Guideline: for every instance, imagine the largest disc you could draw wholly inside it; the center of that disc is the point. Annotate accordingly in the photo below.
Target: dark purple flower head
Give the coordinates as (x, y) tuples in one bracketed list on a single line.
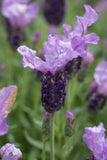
[(10, 152), (18, 12), (7, 99), (54, 11), (95, 139), (53, 91)]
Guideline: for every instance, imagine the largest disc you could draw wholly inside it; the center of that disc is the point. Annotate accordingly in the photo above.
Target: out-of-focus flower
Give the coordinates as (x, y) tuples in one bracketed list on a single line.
[(54, 11), (7, 99), (79, 40), (98, 95), (95, 139), (10, 152), (70, 125), (19, 13)]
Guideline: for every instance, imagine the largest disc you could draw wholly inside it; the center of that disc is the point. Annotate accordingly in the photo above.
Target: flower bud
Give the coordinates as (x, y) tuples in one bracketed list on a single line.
[(70, 125)]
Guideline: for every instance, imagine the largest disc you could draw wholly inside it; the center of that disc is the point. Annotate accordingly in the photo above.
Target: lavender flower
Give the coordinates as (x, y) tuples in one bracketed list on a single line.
[(98, 95), (7, 99), (95, 139), (18, 14), (57, 53), (10, 152), (79, 40)]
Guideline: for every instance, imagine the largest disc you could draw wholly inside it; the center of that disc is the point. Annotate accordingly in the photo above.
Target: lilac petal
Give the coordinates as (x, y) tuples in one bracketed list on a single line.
[(83, 23), (30, 60), (94, 137), (51, 48), (78, 44), (7, 99), (28, 56), (67, 29), (10, 152), (91, 38), (81, 26), (90, 14)]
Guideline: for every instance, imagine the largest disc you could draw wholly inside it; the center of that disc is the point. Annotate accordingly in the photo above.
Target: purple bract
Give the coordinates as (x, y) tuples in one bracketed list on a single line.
[(7, 99), (57, 53)]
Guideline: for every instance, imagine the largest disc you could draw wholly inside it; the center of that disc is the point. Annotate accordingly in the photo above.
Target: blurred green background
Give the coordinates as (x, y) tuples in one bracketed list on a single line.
[(25, 119)]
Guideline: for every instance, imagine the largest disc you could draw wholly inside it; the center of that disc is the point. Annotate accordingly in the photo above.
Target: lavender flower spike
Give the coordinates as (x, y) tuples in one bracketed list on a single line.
[(95, 139), (7, 99), (19, 13), (10, 152), (100, 76)]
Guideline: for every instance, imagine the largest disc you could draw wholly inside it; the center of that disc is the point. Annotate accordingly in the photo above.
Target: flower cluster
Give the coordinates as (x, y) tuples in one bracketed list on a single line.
[(95, 139)]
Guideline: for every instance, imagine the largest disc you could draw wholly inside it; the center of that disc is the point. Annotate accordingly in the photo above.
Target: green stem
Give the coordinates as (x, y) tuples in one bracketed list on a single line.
[(64, 149), (43, 151), (69, 94), (52, 157)]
